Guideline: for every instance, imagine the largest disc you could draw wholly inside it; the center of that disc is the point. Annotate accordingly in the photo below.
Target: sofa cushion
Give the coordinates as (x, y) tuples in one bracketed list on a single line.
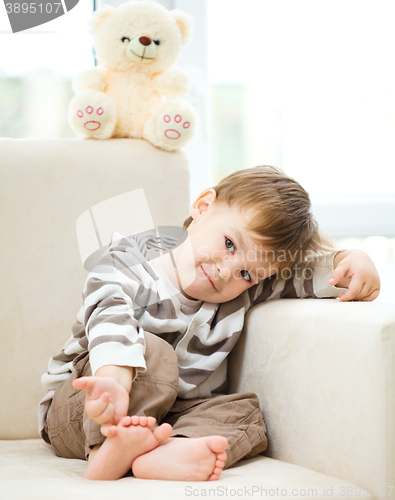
[(30, 470)]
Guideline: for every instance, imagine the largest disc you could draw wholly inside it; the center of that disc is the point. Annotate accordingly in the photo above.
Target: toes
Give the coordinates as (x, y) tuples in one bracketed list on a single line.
[(151, 421), (140, 420), (222, 456), (143, 421), (163, 432), (125, 421), (217, 444), (135, 420), (215, 474), (220, 464), (109, 430)]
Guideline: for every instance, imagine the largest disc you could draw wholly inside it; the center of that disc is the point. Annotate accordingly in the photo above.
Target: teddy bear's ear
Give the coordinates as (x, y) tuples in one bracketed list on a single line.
[(185, 23), (99, 17)]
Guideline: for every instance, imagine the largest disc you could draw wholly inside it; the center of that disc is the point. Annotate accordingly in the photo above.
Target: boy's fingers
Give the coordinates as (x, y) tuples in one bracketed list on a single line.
[(338, 274), (365, 290), (373, 295), (345, 297), (84, 383), (354, 289), (96, 408), (334, 279), (100, 409), (79, 383)]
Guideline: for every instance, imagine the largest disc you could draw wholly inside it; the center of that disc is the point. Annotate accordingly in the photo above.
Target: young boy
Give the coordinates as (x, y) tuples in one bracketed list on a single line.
[(152, 338)]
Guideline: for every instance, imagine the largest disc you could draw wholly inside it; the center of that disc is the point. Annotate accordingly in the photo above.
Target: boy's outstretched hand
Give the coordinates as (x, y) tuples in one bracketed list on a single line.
[(354, 269), (106, 401)]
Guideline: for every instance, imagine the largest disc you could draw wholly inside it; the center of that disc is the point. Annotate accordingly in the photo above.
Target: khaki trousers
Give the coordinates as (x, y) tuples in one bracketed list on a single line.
[(72, 433)]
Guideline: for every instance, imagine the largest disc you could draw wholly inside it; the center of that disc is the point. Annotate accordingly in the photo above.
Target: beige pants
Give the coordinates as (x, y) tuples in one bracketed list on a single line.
[(72, 434)]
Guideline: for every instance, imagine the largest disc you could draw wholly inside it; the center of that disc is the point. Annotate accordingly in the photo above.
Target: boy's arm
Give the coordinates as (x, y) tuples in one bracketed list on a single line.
[(354, 269), (348, 274), (115, 338), (115, 341), (124, 375)]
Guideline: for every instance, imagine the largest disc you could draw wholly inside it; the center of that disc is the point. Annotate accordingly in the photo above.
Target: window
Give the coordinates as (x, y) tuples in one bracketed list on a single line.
[(36, 69), (308, 86)]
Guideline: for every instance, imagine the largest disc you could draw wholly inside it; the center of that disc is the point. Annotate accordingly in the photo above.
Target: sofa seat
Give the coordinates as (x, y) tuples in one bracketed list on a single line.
[(29, 470)]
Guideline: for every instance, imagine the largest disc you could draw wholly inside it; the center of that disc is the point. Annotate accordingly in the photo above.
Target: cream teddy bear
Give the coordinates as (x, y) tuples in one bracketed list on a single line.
[(136, 45)]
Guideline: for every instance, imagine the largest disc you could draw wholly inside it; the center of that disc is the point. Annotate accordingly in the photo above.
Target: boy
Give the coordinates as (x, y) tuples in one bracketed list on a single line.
[(152, 339)]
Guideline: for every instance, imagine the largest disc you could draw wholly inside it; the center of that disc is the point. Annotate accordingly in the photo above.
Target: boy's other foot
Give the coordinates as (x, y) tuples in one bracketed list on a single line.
[(184, 459), (134, 437)]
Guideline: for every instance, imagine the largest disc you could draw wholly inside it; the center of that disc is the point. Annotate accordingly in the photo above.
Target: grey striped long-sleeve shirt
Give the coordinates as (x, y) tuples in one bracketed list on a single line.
[(123, 297)]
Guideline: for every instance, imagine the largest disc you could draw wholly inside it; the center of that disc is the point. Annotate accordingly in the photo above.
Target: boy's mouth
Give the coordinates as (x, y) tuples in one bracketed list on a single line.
[(208, 277)]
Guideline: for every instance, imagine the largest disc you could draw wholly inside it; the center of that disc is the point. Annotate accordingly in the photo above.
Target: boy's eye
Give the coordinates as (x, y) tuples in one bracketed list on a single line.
[(246, 275), (229, 245)]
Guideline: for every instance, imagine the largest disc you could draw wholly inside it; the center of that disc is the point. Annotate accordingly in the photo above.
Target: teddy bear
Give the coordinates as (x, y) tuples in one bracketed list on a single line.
[(136, 45)]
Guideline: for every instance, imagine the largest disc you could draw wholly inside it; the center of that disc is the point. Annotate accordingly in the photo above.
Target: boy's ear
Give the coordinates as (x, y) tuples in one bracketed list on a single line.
[(202, 203)]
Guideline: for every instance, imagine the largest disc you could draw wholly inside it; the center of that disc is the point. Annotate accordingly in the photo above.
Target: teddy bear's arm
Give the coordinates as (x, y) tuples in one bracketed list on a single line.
[(173, 83), (93, 79)]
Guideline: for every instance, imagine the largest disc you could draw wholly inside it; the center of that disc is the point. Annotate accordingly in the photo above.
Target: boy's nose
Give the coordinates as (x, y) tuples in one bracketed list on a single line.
[(224, 270), (224, 274)]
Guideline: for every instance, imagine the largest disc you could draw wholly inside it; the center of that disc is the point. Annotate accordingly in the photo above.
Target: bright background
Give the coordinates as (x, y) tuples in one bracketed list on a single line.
[(36, 68), (305, 85)]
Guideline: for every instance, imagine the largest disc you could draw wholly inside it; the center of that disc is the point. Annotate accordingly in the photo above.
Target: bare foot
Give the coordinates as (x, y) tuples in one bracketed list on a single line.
[(134, 437), (184, 459)]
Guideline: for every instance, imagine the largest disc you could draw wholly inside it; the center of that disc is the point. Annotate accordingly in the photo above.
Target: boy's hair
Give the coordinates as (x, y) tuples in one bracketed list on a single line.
[(281, 213)]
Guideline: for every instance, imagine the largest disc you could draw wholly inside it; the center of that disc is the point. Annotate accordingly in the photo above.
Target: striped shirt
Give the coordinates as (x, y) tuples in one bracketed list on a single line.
[(124, 296)]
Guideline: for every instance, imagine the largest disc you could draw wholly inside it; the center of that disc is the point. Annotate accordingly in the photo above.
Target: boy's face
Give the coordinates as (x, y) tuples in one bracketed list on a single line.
[(226, 261)]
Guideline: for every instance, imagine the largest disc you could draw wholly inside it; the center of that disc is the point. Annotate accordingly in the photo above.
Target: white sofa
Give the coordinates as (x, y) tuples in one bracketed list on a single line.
[(323, 370)]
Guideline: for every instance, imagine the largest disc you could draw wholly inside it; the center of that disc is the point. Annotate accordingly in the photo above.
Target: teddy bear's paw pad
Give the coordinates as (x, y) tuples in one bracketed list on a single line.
[(173, 126), (91, 118)]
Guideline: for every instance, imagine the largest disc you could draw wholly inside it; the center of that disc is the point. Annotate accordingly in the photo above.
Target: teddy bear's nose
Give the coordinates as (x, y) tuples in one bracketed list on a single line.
[(144, 40)]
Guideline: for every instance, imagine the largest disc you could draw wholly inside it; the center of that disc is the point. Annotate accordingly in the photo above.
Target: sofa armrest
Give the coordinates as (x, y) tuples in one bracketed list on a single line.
[(324, 373)]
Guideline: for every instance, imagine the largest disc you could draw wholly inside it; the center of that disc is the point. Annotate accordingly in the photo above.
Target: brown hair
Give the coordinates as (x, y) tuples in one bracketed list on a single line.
[(281, 210)]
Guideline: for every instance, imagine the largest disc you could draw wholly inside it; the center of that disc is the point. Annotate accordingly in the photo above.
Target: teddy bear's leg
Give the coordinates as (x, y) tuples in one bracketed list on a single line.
[(92, 114), (170, 126)]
